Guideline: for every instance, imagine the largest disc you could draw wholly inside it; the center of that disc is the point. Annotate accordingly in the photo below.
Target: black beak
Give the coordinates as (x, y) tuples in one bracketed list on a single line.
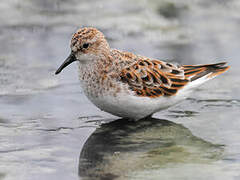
[(71, 58)]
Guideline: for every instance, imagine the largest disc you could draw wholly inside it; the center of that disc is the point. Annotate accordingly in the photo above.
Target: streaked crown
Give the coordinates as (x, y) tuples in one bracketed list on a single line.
[(88, 40)]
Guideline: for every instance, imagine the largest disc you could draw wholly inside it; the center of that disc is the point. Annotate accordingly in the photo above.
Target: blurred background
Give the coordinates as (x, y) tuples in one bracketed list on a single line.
[(46, 121)]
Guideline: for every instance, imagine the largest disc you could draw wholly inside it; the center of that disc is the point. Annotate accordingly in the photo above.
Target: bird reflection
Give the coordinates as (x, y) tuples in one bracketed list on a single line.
[(122, 148)]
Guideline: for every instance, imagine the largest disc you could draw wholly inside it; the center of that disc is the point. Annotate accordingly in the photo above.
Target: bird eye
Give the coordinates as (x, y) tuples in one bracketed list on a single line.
[(85, 45)]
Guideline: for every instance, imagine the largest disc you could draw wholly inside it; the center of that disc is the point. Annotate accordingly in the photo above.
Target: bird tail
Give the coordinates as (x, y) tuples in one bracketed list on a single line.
[(194, 72), (198, 74)]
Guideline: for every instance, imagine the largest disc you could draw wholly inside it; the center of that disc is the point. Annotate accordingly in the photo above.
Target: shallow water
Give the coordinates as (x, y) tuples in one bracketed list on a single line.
[(50, 130)]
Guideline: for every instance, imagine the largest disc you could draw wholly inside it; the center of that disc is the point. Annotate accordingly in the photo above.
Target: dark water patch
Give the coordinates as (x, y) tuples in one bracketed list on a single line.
[(95, 120), (232, 160), (180, 114), (123, 147), (90, 118), (220, 100), (15, 99), (171, 10), (13, 150), (2, 175), (59, 129), (3, 121), (204, 103), (9, 124), (217, 105)]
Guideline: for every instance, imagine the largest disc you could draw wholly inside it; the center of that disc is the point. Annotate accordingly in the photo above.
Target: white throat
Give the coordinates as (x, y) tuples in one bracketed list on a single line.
[(85, 58)]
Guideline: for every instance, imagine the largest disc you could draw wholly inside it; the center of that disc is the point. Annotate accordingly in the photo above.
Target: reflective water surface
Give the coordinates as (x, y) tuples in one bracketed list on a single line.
[(134, 150), (50, 130)]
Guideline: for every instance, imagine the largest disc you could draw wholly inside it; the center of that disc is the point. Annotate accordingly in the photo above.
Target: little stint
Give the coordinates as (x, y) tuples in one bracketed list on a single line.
[(129, 85)]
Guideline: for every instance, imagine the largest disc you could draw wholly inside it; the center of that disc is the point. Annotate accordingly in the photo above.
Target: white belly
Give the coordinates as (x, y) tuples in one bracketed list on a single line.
[(134, 107)]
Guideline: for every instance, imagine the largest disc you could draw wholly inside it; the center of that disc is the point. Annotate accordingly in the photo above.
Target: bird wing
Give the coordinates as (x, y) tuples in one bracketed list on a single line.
[(153, 78)]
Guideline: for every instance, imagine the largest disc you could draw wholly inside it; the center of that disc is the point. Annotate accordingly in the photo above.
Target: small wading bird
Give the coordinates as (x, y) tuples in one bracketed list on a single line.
[(129, 85)]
